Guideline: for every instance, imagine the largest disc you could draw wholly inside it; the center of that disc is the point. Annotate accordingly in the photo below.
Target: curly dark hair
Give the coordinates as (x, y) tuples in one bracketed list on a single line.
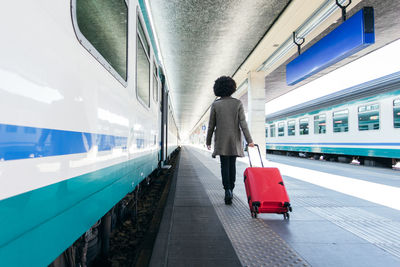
[(224, 86)]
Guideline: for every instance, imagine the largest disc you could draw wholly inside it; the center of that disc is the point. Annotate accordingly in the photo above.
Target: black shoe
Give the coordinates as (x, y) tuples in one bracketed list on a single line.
[(227, 194), (228, 198)]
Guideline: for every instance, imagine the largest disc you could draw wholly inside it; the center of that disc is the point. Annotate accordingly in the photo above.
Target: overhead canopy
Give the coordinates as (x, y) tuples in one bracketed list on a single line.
[(387, 30), (202, 40)]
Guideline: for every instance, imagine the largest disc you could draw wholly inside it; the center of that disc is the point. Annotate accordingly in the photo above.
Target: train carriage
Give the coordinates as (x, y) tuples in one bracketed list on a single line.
[(361, 122), (81, 91)]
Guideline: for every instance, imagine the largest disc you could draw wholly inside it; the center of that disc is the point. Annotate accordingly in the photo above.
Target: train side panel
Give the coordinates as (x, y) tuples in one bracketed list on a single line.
[(382, 142), (74, 139)]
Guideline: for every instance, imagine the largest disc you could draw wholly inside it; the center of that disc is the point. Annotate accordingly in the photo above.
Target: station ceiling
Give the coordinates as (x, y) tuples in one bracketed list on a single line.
[(202, 40)]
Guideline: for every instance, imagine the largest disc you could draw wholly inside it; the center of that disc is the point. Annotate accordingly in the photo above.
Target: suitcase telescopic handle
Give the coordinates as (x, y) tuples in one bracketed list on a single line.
[(248, 153)]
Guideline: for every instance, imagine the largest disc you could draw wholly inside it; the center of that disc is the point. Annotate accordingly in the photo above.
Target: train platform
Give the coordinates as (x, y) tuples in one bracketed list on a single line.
[(326, 228)]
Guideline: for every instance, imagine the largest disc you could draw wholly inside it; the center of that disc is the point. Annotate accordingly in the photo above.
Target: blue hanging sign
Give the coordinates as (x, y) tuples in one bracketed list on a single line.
[(351, 36)]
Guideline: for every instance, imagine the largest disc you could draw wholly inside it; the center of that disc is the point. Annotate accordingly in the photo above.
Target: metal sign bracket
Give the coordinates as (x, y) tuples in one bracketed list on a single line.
[(343, 9), (296, 43)]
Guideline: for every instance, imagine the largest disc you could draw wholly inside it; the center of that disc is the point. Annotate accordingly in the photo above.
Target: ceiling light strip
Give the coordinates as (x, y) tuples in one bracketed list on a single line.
[(318, 17), (161, 58), (150, 16)]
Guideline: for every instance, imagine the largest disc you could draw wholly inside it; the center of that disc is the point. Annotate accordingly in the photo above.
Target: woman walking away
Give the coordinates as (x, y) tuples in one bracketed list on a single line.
[(227, 119)]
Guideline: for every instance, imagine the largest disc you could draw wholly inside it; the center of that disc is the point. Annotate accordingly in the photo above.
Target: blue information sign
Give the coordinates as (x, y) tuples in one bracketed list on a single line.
[(351, 36)]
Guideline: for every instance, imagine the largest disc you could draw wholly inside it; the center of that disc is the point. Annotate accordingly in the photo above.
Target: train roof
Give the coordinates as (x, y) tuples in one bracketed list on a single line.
[(374, 87)]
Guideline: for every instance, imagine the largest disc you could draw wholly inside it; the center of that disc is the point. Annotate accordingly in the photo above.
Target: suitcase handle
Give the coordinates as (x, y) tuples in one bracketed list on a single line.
[(258, 148)]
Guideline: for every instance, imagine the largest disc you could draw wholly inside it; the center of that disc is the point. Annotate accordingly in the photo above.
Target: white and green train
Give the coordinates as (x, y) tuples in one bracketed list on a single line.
[(361, 122), (84, 119)]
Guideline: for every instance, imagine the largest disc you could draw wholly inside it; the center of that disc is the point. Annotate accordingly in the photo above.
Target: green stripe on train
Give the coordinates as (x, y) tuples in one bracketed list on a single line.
[(368, 152), (37, 226)]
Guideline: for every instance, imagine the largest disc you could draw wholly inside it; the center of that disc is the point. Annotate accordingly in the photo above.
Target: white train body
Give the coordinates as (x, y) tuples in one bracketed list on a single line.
[(74, 137), (380, 140)]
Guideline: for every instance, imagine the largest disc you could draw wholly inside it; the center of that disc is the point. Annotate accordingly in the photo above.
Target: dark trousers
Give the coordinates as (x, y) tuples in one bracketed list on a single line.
[(228, 171)]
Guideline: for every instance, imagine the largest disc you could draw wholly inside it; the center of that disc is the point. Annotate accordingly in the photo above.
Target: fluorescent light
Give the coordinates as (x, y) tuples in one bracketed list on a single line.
[(149, 13), (318, 17), (154, 31)]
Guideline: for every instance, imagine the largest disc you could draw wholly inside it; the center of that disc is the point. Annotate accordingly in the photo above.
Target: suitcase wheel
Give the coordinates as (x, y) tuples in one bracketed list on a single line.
[(286, 216), (287, 205), (254, 212)]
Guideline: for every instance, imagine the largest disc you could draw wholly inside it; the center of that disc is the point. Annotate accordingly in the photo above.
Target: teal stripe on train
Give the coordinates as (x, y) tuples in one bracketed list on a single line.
[(37, 226), (367, 152)]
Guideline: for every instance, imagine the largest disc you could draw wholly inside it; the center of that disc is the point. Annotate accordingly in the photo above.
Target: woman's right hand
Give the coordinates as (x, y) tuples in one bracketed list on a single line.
[(251, 144)]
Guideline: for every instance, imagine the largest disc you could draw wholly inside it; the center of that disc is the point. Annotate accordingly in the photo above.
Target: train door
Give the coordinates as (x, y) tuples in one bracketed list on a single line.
[(164, 120)]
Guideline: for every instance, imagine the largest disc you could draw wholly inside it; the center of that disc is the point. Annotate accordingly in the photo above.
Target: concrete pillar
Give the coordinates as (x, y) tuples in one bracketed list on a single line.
[(256, 108)]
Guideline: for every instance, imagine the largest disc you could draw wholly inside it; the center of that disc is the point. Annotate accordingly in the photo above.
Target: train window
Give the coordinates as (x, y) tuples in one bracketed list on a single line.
[(368, 117), (341, 121), (29, 130), (266, 131), (142, 36), (272, 130), (102, 28), (281, 129), (155, 83), (303, 126), (291, 127), (396, 113), (11, 128), (142, 68), (320, 124)]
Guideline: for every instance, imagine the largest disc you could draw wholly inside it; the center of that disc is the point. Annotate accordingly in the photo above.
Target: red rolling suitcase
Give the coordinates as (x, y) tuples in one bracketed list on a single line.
[(265, 190)]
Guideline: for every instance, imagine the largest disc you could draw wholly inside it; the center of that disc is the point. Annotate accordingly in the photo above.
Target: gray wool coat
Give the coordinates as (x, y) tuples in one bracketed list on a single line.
[(227, 119)]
